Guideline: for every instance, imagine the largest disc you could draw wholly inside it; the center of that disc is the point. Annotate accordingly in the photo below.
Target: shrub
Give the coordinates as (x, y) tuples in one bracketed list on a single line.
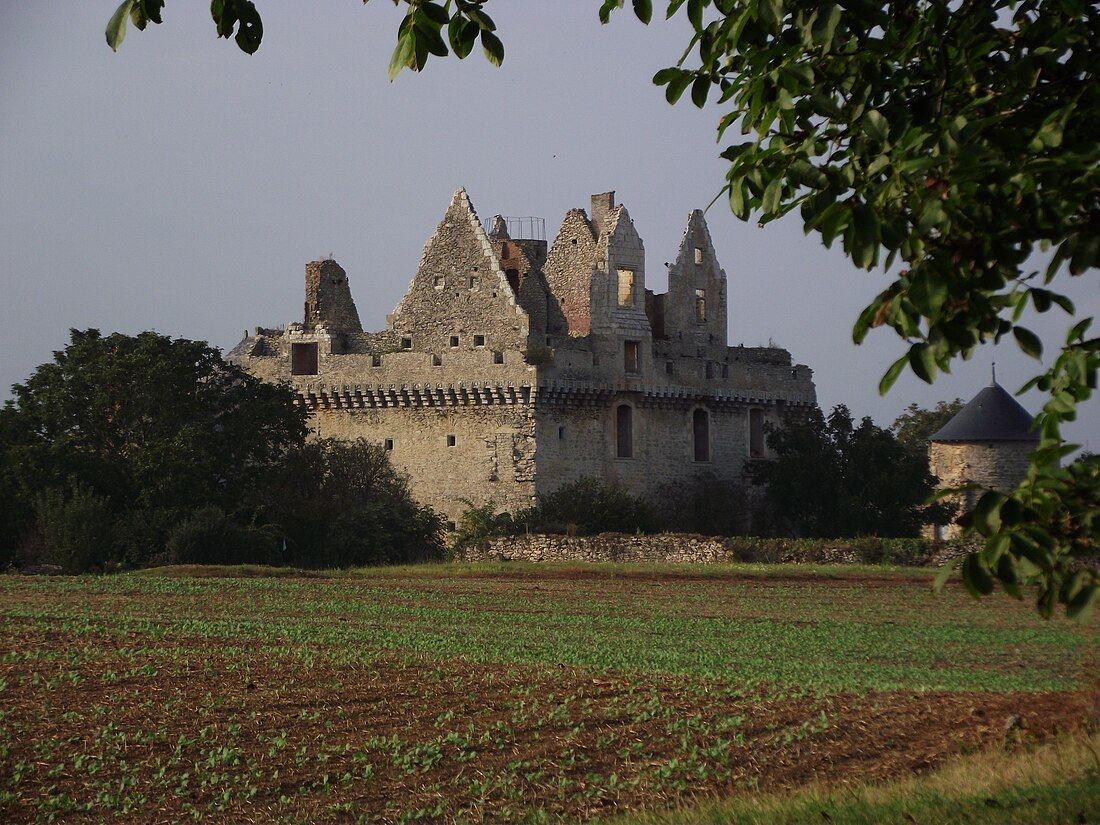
[(210, 536), (383, 532), (75, 527)]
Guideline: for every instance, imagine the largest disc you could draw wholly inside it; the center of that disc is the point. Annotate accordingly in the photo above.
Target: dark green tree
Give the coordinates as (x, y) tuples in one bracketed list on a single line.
[(832, 478), (914, 427), (340, 503), (146, 423), (954, 139)]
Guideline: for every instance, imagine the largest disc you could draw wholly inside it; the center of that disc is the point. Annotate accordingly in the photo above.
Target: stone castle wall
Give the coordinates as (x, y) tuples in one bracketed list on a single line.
[(507, 369)]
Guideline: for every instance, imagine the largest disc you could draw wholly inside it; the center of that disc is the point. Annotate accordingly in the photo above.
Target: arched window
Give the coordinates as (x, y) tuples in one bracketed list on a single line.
[(624, 431), (700, 428)]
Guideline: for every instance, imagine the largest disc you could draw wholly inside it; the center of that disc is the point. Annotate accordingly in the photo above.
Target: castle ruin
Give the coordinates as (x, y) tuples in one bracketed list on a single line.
[(509, 369)]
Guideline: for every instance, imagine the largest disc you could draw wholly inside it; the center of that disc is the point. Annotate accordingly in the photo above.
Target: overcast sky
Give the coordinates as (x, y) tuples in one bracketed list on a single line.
[(181, 185)]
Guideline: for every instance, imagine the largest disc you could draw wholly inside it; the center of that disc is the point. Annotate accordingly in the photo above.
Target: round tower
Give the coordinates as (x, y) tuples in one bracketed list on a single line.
[(989, 443)]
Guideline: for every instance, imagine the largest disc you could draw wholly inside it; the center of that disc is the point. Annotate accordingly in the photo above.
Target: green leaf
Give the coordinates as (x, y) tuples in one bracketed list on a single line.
[(773, 194), (976, 578), (738, 202), (1081, 607), (932, 214), (643, 10), (944, 574), (608, 7), (494, 49), (404, 53), (462, 34), (875, 125), (987, 515), (892, 374), (922, 360), (699, 89), (1028, 341), (116, 26)]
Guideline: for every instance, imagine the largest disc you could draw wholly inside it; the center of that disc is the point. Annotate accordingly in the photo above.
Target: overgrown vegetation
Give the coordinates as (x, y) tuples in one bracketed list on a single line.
[(133, 450)]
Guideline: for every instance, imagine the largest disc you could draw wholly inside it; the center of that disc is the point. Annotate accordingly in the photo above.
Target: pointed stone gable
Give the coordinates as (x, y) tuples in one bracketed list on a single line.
[(696, 306), (568, 270), (460, 290)]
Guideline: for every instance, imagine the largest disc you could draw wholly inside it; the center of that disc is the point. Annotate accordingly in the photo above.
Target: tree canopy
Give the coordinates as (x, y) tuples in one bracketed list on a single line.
[(953, 140), (914, 427), (834, 478), (131, 450)]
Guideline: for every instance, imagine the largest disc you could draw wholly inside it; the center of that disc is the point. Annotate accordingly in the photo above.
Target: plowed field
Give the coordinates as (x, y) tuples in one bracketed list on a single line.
[(502, 694)]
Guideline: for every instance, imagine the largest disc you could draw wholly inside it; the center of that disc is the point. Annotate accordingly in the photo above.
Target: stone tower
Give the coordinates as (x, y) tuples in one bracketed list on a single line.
[(328, 298), (989, 443)]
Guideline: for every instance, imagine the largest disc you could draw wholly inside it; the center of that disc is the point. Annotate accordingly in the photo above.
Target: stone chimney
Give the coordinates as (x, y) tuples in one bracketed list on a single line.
[(602, 205)]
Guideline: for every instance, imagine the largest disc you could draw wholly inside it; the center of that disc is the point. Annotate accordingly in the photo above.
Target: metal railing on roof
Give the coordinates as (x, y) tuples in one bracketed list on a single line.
[(520, 228)]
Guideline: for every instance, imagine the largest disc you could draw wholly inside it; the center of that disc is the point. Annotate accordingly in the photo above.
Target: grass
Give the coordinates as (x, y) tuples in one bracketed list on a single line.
[(526, 693), (1057, 782)]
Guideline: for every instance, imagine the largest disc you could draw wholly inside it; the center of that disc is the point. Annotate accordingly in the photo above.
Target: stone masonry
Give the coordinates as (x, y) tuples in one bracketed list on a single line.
[(509, 369)]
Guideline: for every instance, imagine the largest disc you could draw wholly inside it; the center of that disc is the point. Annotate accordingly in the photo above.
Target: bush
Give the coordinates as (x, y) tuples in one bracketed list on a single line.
[(589, 506), (75, 528), (210, 536), (480, 522), (383, 532)]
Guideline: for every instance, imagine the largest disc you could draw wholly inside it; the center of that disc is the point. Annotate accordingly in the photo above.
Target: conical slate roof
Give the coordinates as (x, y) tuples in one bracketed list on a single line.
[(992, 415)]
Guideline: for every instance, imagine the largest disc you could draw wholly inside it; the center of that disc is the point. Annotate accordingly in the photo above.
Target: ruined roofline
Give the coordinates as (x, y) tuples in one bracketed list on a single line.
[(462, 200)]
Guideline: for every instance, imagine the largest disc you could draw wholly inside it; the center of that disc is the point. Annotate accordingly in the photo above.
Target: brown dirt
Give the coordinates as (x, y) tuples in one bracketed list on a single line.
[(139, 729)]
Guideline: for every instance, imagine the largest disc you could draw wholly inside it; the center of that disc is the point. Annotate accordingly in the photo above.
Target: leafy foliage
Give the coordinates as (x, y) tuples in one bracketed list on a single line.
[(584, 507), (952, 138), (146, 423), (916, 426), (340, 503), (833, 478), (130, 450)]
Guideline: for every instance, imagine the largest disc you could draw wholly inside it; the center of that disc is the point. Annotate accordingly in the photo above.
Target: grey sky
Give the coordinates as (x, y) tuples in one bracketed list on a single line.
[(180, 185)]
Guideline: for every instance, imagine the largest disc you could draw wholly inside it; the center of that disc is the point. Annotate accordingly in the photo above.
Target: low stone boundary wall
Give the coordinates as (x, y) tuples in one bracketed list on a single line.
[(680, 548), (663, 547)]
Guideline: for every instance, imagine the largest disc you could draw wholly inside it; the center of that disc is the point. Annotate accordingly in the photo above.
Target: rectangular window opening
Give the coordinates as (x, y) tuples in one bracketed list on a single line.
[(498, 357), (387, 444), (630, 356), (406, 343), (626, 287), (454, 342), (698, 254), (701, 306), (451, 441), (303, 359), (437, 360), (438, 282), (479, 340), (376, 360)]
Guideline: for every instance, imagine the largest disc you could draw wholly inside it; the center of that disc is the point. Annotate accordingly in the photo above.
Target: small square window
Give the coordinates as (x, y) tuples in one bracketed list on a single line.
[(376, 360), (479, 340), (698, 254), (451, 441), (668, 367), (498, 357), (473, 282), (387, 444), (454, 341), (438, 282), (406, 343), (437, 360), (451, 527)]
